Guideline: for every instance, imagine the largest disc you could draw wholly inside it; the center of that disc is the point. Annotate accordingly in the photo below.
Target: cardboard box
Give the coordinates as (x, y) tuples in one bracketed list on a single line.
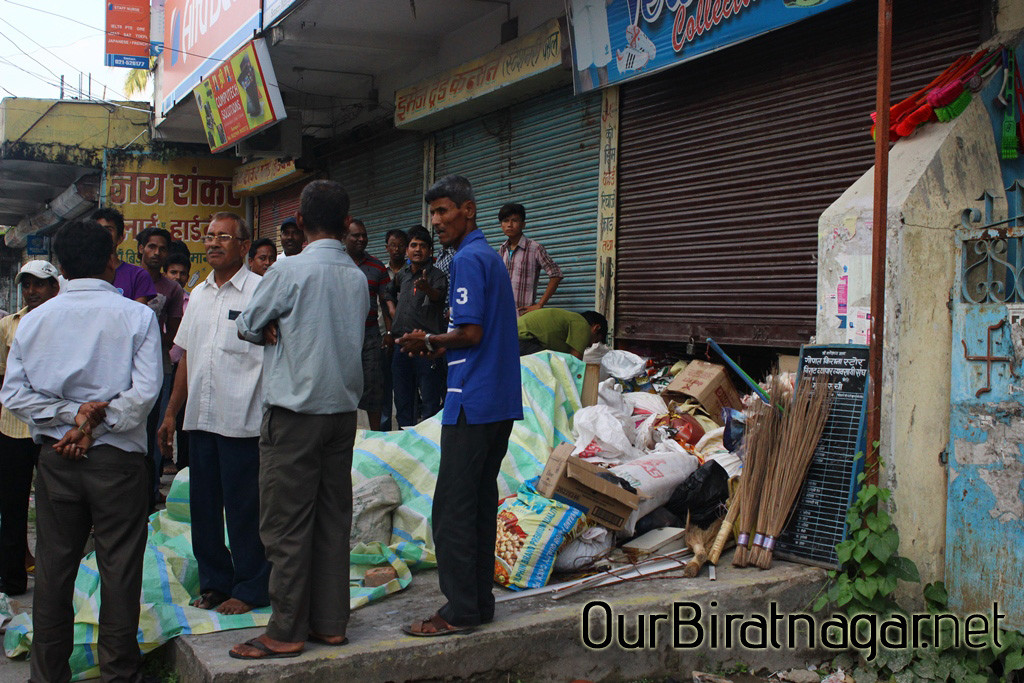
[(709, 384), (788, 363), (576, 482)]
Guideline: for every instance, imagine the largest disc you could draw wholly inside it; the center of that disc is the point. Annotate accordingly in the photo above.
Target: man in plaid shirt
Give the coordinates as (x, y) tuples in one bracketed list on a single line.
[(524, 258)]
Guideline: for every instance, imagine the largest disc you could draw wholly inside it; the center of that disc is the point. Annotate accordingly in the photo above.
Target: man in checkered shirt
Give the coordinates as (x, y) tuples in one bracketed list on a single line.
[(523, 259)]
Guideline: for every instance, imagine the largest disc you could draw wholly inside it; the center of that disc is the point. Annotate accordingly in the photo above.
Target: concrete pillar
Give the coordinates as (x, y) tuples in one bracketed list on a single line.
[(933, 176)]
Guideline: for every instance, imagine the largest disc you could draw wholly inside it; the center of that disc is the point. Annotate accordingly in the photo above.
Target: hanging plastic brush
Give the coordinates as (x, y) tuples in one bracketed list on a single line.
[(1010, 141), (950, 100), (912, 105)]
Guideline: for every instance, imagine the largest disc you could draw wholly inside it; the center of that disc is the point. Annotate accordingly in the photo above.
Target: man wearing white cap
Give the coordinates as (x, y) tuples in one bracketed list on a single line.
[(18, 453)]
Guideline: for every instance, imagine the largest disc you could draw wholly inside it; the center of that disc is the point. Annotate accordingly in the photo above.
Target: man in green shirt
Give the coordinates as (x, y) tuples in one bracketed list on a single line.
[(557, 329)]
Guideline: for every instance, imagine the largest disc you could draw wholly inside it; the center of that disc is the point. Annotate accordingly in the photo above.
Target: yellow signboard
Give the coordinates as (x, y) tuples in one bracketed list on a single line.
[(515, 61), (265, 175), (178, 195)]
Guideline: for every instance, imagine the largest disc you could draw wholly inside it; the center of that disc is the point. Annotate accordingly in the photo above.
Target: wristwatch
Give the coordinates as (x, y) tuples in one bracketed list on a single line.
[(426, 341)]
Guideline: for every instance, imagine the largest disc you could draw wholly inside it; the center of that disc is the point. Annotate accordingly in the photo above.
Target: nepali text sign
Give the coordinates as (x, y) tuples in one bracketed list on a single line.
[(265, 175), (240, 97), (619, 40), (199, 35), (178, 195), (528, 56), (128, 26)]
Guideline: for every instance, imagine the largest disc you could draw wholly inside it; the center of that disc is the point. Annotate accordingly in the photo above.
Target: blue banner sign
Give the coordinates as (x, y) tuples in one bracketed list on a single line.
[(614, 41)]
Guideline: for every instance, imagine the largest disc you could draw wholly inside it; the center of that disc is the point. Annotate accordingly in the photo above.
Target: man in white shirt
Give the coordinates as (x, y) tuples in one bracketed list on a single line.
[(84, 371), (220, 377)]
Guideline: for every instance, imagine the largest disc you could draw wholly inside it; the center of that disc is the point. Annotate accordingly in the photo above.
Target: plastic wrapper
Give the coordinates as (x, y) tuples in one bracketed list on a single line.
[(531, 531)]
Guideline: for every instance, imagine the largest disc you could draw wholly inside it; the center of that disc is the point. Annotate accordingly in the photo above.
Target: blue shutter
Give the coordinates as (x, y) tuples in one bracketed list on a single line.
[(543, 154), (385, 187)]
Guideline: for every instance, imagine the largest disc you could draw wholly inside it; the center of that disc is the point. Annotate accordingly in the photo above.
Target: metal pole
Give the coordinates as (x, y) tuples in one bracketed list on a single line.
[(879, 224)]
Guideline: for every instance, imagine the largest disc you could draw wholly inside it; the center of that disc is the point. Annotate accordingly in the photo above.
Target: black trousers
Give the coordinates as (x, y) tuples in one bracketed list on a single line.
[(107, 493), (17, 458), (464, 517)]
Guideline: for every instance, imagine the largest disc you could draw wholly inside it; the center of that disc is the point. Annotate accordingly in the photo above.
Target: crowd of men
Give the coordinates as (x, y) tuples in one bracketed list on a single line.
[(253, 379)]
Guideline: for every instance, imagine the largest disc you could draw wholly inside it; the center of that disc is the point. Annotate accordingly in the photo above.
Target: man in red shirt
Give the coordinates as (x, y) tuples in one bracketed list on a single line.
[(376, 276)]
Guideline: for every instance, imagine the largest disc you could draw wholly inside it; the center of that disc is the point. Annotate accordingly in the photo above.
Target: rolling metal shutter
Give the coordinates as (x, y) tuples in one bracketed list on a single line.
[(542, 154), (385, 187), (726, 163), (273, 207)]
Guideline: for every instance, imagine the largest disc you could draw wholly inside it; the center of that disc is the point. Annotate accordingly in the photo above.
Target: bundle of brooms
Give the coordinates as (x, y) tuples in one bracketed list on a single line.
[(781, 440), (763, 423)]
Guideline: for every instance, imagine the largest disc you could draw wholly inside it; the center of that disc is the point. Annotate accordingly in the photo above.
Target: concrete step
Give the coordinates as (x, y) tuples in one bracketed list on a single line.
[(535, 638)]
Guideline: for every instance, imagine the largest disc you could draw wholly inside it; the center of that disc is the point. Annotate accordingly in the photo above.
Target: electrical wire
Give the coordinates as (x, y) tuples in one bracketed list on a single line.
[(84, 97), (25, 53), (121, 95)]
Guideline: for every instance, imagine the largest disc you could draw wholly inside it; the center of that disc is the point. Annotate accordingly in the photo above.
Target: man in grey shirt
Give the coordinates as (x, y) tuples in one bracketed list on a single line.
[(310, 310)]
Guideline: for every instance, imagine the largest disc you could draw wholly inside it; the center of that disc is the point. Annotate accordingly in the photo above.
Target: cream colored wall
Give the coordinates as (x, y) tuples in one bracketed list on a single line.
[(933, 175), (1009, 15)]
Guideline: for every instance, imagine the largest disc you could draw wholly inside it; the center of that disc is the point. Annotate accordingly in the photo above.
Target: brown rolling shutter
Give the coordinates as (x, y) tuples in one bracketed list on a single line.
[(726, 163), (273, 207)]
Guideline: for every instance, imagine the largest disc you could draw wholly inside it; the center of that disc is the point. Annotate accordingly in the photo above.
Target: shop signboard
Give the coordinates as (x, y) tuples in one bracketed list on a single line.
[(128, 27), (240, 97), (614, 41), (178, 195), (198, 37), (264, 175), (37, 245), (272, 9), (534, 54)]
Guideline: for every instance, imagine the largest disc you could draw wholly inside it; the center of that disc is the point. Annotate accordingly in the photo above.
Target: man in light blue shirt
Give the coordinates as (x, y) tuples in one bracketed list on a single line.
[(310, 310), (84, 371)]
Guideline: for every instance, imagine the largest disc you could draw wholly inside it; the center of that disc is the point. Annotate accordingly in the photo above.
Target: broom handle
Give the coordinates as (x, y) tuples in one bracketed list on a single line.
[(723, 533), (739, 371)]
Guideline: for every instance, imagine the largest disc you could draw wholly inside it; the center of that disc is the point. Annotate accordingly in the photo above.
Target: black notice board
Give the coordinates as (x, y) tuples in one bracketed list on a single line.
[(818, 521)]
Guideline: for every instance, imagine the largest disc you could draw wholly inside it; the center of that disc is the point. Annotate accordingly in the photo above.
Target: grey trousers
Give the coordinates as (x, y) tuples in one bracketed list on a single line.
[(108, 493), (305, 520)]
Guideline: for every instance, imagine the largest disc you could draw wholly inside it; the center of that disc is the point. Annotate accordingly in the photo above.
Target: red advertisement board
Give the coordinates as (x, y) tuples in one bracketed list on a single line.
[(128, 27), (240, 97)]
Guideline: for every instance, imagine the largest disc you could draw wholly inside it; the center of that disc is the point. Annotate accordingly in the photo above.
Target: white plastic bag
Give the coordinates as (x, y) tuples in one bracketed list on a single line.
[(655, 476), (601, 435), (609, 393), (591, 545), (645, 402), (595, 352), (622, 365)]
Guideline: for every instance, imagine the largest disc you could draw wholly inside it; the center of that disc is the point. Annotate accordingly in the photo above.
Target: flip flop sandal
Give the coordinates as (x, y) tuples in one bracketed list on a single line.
[(440, 626), (317, 638), (209, 600), (267, 653)]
